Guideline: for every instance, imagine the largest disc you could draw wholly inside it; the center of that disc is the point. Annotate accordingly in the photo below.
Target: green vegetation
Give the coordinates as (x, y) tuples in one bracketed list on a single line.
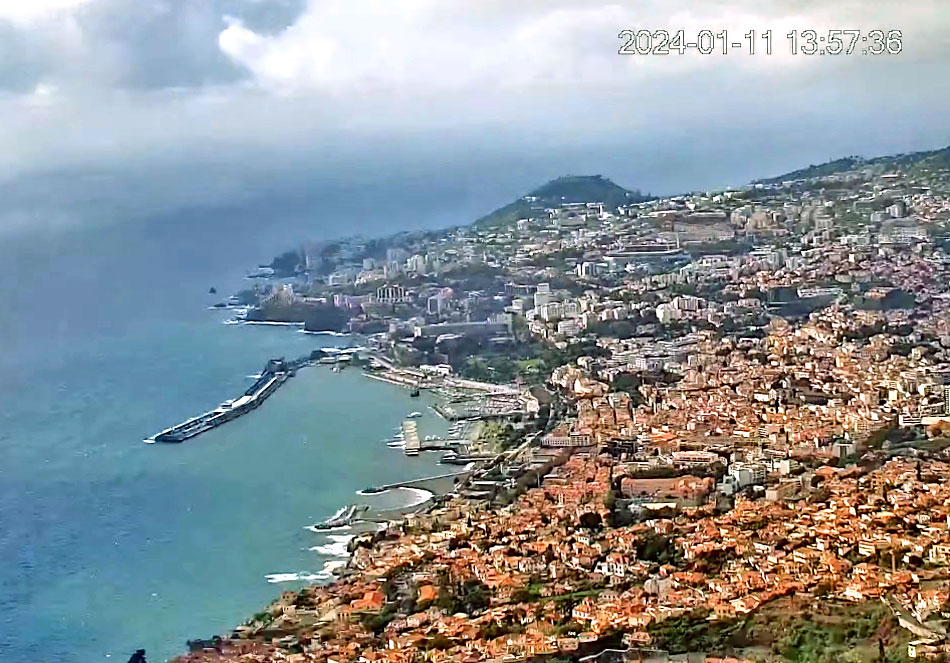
[(658, 549), (821, 170), (530, 360), (499, 369), (263, 617), (695, 632), (471, 597), (529, 479), (837, 633), (500, 437), (828, 642), (628, 383), (930, 159), (569, 189), (377, 622)]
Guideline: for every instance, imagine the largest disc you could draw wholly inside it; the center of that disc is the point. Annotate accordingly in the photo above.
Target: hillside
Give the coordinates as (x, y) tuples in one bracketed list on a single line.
[(568, 189), (927, 159)]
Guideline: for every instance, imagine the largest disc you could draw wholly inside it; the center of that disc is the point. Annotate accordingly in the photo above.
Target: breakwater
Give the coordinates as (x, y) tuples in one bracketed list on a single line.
[(275, 373)]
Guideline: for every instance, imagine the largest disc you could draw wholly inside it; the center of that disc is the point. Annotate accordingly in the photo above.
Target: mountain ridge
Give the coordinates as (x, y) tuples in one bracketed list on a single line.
[(939, 158)]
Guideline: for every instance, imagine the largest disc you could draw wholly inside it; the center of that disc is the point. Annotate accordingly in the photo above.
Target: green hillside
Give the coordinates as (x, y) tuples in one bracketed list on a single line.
[(938, 159), (568, 189)]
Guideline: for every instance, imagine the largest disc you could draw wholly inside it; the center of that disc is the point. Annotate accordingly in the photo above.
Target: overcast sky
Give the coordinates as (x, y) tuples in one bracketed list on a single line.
[(247, 85)]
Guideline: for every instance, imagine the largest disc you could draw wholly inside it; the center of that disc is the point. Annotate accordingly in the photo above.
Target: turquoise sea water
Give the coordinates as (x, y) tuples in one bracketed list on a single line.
[(108, 544)]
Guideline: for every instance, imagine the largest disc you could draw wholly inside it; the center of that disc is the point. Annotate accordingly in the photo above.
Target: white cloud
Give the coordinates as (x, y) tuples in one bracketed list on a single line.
[(478, 71), (341, 46), (423, 46), (25, 11)]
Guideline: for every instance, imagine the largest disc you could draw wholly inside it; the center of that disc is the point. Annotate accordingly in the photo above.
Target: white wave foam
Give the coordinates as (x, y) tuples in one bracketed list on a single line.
[(293, 577), (328, 569), (338, 547), (323, 333), (269, 322), (339, 513)]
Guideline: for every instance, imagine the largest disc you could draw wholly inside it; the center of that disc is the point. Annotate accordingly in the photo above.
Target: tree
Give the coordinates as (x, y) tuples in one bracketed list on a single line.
[(439, 641), (475, 596), (628, 383), (446, 600), (522, 595), (591, 520)]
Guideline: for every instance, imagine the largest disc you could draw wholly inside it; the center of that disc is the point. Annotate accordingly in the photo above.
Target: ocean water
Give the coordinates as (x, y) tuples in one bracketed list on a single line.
[(108, 544)]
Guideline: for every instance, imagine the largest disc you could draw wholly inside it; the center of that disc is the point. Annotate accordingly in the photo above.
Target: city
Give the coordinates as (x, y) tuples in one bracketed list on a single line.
[(707, 412)]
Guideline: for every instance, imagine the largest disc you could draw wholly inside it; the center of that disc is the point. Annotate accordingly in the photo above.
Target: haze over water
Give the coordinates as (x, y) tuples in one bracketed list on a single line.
[(109, 544)]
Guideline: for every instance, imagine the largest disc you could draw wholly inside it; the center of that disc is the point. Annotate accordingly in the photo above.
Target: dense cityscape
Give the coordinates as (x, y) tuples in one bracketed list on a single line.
[(711, 426)]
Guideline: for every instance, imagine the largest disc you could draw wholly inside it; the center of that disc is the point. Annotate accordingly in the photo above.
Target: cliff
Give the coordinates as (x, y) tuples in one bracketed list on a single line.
[(315, 317)]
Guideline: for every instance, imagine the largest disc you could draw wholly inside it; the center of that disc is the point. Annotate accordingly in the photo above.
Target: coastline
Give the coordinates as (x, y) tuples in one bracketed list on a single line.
[(271, 323), (336, 549), (329, 547)]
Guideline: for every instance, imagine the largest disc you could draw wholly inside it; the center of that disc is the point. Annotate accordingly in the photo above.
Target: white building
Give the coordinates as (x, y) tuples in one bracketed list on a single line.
[(687, 303), (587, 269), (551, 311), (391, 294), (898, 209), (417, 264), (435, 304), (570, 327), (665, 314), (748, 474)]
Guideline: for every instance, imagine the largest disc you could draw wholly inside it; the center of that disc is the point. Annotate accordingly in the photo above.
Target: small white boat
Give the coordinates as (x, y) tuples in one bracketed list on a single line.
[(413, 415)]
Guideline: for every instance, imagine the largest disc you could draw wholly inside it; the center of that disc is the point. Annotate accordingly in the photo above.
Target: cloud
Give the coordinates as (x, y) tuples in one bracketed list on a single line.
[(105, 82), (25, 11), (126, 44), (421, 46)]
